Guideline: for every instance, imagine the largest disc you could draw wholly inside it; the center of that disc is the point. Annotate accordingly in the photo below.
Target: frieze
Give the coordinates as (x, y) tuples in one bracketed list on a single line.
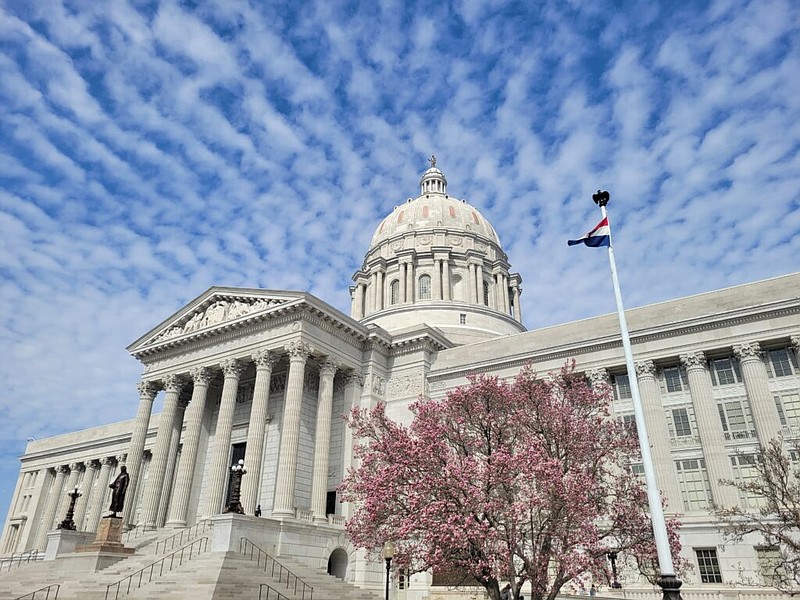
[(219, 311), (435, 386), (277, 383), (405, 385), (454, 241), (425, 240), (244, 393)]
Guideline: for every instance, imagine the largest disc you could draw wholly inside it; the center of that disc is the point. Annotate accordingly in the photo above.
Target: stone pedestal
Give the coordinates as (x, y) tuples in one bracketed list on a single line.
[(64, 541), (109, 538)]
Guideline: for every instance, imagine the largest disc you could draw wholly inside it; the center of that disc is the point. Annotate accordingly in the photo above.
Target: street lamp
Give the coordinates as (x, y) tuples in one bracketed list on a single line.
[(388, 554), (612, 556), (237, 470), (68, 523)]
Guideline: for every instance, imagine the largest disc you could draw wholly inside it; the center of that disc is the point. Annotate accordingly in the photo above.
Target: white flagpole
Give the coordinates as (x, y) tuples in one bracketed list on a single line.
[(668, 581)]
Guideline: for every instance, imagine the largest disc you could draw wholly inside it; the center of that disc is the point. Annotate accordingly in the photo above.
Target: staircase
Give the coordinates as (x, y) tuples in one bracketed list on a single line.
[(208, 576)]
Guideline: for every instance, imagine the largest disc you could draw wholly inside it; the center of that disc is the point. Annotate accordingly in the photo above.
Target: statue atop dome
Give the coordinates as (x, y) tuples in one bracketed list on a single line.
[(432, 160)]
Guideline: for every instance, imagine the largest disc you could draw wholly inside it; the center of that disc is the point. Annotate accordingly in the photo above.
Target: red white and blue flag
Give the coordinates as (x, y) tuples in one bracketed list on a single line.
[(599, 236)]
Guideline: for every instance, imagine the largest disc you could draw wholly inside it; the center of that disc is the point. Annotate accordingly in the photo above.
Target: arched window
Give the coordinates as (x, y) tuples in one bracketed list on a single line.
[(394, 292), (425, 287), (486, 293)]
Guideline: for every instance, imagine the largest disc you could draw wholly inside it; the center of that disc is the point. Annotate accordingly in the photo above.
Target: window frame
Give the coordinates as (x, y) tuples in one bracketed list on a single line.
[(708, 565)]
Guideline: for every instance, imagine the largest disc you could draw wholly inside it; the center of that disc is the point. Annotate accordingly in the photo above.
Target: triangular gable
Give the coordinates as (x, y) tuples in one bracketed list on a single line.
[(213, 309)]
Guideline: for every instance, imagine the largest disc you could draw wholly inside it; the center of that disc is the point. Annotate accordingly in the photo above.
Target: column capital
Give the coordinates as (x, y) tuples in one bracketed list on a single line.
[(794, 341), (93, 464), (76, 466), (147, 389), (264, 359), (645, 368), (201, 375), (108, 461), (299, 350), (62, 469), (598, 376), (354, 376), (328, 366), (693, 360), (121, 458), (174, 383), (749, 351), (232, 367)]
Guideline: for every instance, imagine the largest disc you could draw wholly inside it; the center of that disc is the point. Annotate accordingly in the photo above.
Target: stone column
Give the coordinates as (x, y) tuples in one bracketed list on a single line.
[(354, 382), (401, 278), (504, 293), (410, 282), (179, 506), (446, 279), (147, 393), (290, 433), (479, 284), (158, 465), (359, 311), (517, 305), (471, 283), (322, 447), (99, 494), (795, 343), (380, 304), (172, 461), (218, 474), (53, 500), (254, 451), (373, 292), (756, 382), (437, 279), (712, 438), (658, 433), (87, 488)]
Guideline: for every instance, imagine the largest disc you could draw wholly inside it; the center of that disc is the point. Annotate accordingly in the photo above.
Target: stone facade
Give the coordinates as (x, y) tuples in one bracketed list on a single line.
[(266, 375)]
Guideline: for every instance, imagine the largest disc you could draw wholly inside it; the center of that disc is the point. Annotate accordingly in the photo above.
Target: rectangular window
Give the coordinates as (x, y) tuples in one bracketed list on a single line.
[(737, 423), (462, 319), (680, 419), (725, 371), (781, 362), (744, 470), (621, 385), (770, 566), (638, 470), (672, 379), (788, 406), (629, 422), (693, 480), (708, 565)]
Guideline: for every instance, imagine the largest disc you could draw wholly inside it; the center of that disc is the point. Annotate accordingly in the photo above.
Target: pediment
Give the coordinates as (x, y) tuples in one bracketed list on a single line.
[(212, 310)]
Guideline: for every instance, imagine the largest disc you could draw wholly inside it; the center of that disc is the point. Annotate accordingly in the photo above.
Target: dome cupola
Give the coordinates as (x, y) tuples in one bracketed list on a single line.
[(436, 260)]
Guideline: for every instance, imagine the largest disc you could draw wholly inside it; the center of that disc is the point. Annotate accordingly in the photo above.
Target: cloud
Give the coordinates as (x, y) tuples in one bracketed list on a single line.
[(148, 152)]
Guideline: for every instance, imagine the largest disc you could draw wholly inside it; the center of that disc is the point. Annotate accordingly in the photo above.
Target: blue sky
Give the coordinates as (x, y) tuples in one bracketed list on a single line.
[(149, 150)]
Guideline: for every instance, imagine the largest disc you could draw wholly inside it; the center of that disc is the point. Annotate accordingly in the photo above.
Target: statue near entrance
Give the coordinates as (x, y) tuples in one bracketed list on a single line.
[(120, 486)]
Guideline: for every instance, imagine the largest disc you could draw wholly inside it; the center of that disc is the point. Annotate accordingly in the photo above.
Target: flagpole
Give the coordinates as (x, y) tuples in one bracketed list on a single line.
[(669, 583)]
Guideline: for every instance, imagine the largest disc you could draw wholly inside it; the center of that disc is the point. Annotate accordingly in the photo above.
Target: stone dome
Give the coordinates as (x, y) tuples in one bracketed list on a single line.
[(433, 208), (436, 261)]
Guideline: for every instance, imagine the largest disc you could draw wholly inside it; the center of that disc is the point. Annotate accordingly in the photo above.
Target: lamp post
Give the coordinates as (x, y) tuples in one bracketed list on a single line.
[(612, 557), (235, 506), (68, 523), (388, 554)]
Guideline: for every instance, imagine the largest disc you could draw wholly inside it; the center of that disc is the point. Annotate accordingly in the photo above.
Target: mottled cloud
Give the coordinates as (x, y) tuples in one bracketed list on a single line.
[(148, 152)]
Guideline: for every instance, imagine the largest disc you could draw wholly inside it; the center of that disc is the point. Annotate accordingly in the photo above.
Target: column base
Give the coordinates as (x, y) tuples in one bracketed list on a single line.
[(281, 513)]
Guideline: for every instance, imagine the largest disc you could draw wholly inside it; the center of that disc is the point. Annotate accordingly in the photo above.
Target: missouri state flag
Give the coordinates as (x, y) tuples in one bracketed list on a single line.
[(599, 236)]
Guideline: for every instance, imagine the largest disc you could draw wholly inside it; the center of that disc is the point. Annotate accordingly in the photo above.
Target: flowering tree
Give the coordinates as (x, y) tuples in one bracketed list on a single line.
[(776, 522), (503, 481)]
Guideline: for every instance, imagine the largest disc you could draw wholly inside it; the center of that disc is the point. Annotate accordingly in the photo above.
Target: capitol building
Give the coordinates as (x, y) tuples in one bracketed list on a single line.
[(265, 376)]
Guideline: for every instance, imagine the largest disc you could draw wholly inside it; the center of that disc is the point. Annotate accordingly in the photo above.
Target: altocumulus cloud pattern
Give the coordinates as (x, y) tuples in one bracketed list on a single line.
[(149, 150)]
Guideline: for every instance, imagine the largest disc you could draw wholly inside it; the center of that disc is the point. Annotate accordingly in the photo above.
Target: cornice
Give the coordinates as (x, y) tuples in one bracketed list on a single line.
[(612, 342)]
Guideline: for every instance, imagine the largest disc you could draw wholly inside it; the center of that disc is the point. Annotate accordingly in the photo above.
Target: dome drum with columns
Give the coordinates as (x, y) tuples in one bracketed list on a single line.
[(437, 260)]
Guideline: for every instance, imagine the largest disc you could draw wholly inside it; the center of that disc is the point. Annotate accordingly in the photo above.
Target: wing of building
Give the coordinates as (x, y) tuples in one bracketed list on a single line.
[(265, 375)]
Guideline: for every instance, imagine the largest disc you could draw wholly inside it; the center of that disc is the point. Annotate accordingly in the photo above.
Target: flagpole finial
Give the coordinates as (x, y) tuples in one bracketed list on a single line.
[(601, 198)]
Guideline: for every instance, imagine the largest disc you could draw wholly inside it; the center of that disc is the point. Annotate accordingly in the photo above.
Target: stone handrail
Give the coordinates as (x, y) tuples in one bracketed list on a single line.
[(157, 569), (22, 559), (183, 536), (42, 593), (270, 594), (271, 566)]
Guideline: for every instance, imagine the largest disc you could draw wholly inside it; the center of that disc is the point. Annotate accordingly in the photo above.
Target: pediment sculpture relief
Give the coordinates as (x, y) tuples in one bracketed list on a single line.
[(218, 312)]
